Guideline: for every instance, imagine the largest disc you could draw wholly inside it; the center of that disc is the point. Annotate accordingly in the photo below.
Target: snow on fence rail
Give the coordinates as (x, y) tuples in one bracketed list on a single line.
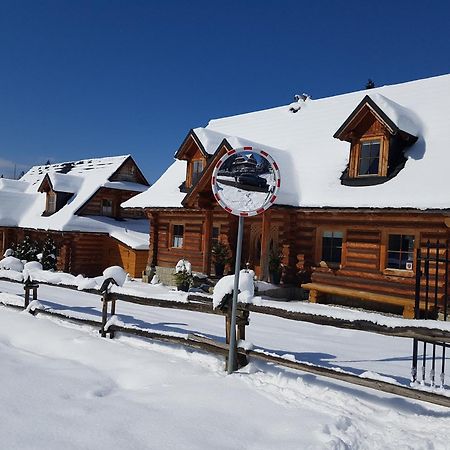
[(427, 330)]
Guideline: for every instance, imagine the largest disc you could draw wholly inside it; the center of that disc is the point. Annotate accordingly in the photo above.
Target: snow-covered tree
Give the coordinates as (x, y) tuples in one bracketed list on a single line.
[(49, 251), (27, 250)]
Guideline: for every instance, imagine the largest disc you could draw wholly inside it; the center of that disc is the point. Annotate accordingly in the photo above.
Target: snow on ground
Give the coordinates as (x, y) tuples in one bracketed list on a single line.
[(65, 387)]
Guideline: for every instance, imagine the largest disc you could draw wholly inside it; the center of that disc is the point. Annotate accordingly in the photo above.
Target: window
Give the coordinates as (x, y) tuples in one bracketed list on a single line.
[(332, 246), (197, 168), (178, 236), (107, 207), (369, 157), (51, 202), (400, 251)]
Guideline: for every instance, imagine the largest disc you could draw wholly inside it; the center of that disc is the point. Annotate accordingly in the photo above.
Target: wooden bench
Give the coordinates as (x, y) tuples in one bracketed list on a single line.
[(315, 289)]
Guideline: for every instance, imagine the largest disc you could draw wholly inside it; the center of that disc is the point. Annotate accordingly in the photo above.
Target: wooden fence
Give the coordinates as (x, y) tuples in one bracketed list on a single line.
[(203, 305)]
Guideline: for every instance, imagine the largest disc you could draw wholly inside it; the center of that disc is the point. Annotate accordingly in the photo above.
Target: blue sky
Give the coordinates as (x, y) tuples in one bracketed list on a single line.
[(93, 78)]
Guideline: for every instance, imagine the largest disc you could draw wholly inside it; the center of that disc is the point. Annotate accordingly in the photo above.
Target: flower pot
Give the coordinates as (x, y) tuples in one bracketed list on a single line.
[(183, 287)]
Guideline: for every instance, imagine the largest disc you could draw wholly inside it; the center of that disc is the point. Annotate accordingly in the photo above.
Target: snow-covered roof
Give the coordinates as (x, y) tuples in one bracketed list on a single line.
[(402, 117), (164, 192), (21, 205), (209, 139), (63, 182), (311, 160)]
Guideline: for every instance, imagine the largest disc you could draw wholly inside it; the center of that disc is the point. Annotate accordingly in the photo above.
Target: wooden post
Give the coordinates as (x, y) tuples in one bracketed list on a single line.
[(113, 313), (265, 239), (104, 314), (35, 288), (228, 325), (27, 296), (154, 235), (207, 235), (242, 322)]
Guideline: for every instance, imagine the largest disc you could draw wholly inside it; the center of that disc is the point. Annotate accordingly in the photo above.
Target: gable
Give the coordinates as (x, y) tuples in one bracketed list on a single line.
[(129, 172)]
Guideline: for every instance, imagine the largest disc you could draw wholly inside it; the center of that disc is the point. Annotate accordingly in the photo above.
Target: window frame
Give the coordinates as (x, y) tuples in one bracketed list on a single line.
[(319, 246), (361, 144), (173, 235), (355, 156), (51, 201), (406, 273), (191, 173), (102, 210)]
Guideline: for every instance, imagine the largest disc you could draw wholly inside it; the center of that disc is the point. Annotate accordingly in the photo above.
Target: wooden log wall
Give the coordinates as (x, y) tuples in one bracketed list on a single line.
[(94, 206), (118, 254), (364, 252), (85, 253), (281, 226), (298, 234)]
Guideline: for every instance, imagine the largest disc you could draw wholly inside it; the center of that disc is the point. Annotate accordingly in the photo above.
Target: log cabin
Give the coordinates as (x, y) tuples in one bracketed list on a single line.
[(78, 204), (362, 188)]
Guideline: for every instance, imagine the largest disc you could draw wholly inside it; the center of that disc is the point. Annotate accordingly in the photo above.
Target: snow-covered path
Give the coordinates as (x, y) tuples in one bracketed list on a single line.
[(64, 387)]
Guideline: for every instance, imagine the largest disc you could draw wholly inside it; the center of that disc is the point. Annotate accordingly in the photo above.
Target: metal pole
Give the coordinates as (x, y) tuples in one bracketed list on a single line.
[(232, 359)]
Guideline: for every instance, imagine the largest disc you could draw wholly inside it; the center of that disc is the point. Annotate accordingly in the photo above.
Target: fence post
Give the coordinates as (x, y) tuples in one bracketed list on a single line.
[(104, 314), (107, 296)]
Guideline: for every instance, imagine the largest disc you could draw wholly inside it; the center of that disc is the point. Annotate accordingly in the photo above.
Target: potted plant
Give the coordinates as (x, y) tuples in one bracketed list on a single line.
[(183, 280), (183, 275), (221, 257), (275, 267)]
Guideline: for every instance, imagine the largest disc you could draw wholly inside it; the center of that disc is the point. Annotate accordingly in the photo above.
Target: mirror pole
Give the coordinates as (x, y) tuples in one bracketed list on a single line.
[(232, 353)]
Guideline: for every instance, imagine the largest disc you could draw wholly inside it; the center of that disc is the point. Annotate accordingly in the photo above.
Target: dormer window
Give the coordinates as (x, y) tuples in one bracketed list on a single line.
[(51, 202), (377, 142)]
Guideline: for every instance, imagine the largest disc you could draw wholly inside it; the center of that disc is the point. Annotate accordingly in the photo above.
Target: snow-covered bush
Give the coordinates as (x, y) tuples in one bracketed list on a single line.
[(27, 250), (225, 286), (11, 263), (49, 251), (183, 275), (117, 273)]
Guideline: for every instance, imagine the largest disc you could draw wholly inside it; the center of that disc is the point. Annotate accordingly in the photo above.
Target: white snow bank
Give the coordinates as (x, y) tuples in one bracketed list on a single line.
[(11, 263), (114, 320), (225, 286), (117, 274), (13, 275), (155, 387), (32, 265)]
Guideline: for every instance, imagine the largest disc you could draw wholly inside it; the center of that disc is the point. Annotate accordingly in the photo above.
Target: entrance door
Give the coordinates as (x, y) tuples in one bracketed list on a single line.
[(255, 249)]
